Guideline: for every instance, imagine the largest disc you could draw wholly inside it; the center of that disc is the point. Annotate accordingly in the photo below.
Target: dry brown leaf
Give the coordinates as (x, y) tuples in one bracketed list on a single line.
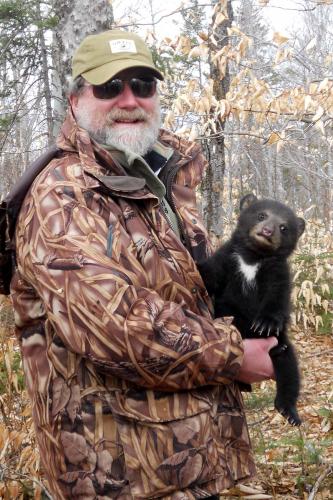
[(203, 36), (307, 102), (325, 84), (195, 52), (320, 126), (325, 305), (13, 489), (273, 138), (220, 17), (193, 133), (311, 44), (279, 38), (319, 113)]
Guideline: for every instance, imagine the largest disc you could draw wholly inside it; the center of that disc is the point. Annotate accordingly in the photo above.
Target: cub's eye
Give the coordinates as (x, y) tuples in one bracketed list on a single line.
[(262, 216), (283, 228)]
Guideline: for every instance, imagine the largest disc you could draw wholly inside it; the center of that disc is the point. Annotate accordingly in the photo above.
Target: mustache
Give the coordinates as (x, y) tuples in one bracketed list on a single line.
[(123, 114)]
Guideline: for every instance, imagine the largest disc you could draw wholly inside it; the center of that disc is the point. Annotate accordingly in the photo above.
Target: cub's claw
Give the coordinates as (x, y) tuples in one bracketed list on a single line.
[(290, 414), (262, 326), (254, 326)]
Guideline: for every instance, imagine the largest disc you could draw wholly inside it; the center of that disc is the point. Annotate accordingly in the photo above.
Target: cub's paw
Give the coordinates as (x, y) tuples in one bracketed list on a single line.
[(278, 350), (288, 412), (268, 325)]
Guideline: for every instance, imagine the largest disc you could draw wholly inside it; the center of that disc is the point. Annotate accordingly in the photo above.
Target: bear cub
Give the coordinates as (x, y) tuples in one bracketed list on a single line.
[(249, 279)]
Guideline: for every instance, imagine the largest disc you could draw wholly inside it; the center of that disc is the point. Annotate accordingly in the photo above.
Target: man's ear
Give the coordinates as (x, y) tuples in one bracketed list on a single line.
[(73, 99)]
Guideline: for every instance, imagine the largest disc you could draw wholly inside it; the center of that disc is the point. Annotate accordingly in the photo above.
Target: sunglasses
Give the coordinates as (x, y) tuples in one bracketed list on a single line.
[(141, 87)]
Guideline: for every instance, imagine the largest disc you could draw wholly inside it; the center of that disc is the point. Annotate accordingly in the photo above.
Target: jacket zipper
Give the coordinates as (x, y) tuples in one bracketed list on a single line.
[(173, 222)]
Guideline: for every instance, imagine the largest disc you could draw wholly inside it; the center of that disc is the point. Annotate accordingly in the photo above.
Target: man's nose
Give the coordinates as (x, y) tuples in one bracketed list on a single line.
[(127, 99)]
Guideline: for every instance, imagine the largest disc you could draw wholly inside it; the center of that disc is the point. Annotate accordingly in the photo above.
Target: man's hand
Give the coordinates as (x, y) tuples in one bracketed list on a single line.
[(257, 364)]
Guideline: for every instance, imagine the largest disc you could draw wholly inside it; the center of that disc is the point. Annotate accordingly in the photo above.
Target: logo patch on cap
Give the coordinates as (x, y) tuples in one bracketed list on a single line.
[(122, 45)]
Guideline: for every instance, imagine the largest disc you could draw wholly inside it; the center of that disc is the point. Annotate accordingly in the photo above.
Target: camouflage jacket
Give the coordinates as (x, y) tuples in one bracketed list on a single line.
[(131, 380)]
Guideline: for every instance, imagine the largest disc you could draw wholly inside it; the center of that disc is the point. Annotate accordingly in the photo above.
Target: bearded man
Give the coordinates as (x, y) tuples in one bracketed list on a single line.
[(133, 383)]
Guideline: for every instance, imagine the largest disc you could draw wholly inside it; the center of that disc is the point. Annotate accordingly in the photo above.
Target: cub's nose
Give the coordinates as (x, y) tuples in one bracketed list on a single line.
[(267, 231)]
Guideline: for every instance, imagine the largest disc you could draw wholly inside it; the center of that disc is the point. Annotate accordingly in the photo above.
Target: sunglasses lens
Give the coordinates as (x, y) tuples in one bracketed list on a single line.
[(143, 87), (108, 90)]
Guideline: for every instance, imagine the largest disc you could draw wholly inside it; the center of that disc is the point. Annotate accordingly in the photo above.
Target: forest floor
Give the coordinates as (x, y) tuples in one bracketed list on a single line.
[(296, 462), (292, 462)]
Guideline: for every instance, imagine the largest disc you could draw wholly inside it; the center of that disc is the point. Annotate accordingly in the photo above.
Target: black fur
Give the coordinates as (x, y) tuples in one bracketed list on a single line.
[(266, 234)]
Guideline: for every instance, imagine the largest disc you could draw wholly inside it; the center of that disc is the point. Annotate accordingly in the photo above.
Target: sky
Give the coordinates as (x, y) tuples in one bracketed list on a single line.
[(281, 15)]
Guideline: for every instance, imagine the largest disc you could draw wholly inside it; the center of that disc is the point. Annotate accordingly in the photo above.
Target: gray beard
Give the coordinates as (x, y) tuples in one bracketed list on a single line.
[(138, 139)]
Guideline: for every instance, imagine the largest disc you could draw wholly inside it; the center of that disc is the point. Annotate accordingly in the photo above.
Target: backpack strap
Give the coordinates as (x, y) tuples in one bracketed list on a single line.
[(9, 212), (5, 255), (17, 194)]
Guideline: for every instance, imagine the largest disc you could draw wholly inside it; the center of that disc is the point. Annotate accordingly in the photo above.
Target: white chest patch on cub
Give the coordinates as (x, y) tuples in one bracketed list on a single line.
[(248, 271)]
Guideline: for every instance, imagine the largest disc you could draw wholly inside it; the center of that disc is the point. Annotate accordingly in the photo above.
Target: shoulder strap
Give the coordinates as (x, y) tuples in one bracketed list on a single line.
[(5, 257), (9, 211), (17, 194)]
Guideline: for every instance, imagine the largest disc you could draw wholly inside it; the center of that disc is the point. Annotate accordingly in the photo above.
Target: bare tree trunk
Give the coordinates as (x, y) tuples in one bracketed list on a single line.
[(328, 191), (213, 183), (47, 88), (77, 19), (152, 16)]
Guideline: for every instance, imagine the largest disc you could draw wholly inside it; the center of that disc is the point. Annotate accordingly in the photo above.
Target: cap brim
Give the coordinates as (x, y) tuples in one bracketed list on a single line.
[(103, 73)]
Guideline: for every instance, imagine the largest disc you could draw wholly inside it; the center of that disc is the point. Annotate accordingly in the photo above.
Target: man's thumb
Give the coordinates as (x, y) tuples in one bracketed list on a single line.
[(271, 342)]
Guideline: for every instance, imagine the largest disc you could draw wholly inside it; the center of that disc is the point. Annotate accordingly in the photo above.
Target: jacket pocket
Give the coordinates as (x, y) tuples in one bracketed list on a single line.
[(170, 441)]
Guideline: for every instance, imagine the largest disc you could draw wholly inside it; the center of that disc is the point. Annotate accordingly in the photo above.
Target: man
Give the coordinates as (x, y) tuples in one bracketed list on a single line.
[(133, 384)]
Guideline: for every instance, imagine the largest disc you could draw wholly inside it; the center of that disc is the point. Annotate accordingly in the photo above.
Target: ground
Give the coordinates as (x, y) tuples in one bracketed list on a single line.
[(290, 460)]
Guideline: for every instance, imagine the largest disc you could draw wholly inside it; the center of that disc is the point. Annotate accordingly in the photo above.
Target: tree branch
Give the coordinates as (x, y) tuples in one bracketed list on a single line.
[(327, 472), (7, 474), (305, 9), (179, 10)]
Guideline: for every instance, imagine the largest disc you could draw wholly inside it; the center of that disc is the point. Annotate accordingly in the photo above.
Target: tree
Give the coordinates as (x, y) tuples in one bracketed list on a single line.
[(23, 86), (279, 133), (213, 184), (254, 167)]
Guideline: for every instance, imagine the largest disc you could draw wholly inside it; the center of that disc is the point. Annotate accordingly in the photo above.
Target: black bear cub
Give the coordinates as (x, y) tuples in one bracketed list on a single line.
[(249, 279)]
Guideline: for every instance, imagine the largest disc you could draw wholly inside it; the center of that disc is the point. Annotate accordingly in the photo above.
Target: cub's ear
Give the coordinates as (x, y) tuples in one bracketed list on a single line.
[(300, 226), (247, 200)]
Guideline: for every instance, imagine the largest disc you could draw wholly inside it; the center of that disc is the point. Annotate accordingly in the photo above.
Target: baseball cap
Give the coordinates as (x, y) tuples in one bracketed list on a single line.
[(100, 57)]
